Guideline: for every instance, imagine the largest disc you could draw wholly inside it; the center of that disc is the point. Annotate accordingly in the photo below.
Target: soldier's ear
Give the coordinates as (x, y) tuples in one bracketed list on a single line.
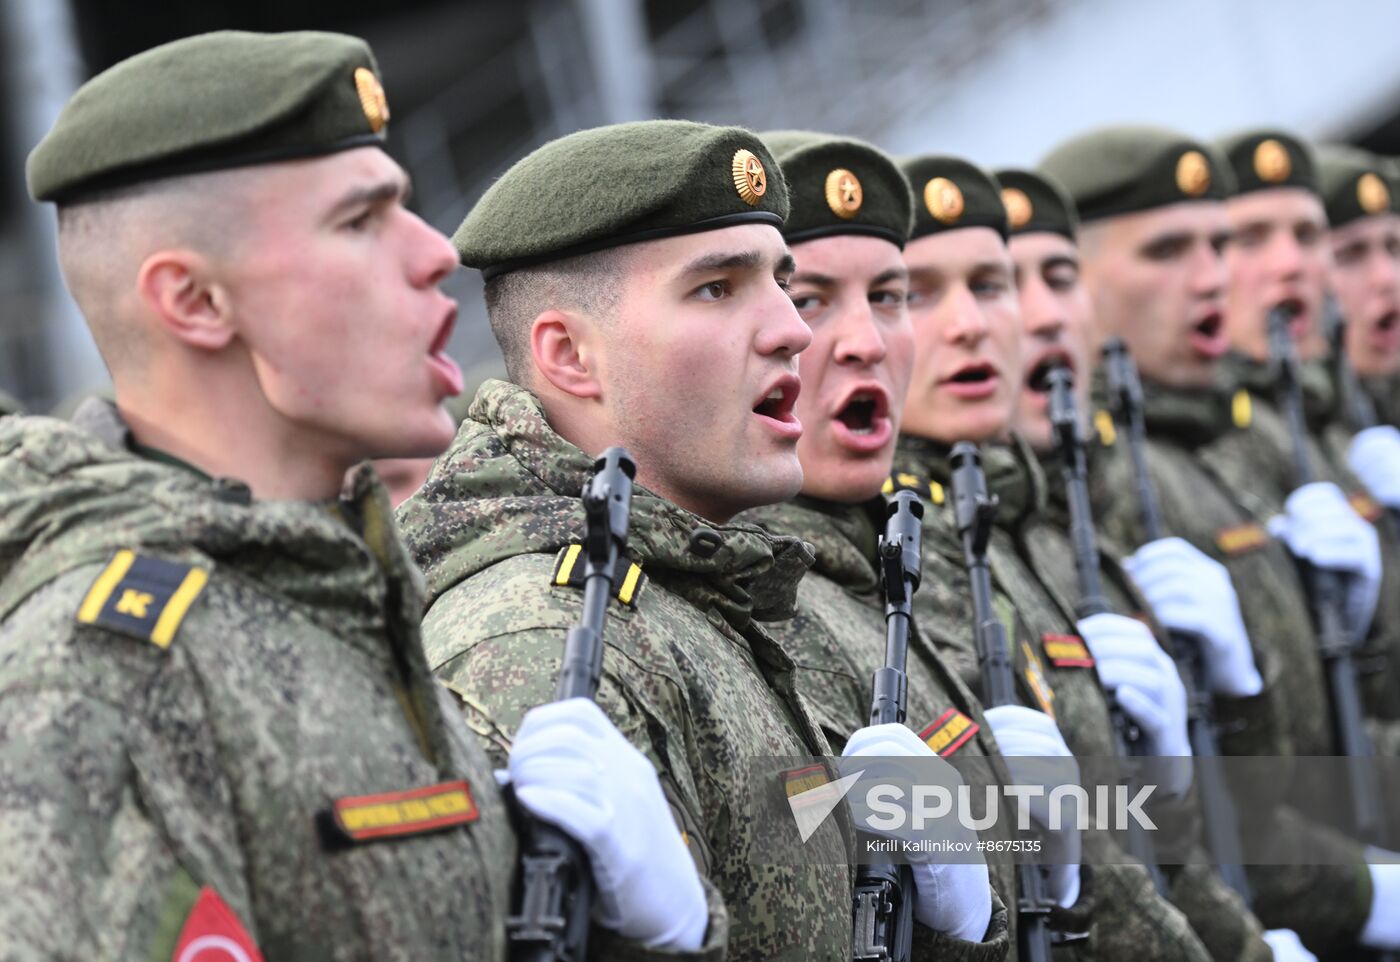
[(181, 291), (564, 348)]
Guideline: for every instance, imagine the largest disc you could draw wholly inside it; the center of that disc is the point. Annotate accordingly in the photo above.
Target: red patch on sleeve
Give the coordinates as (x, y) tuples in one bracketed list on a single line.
[(212, 933)]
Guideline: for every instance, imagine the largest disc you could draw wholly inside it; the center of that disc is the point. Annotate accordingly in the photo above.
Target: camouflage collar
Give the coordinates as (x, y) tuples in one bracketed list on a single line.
[(1320, 406), (1185, 416), (509, 485), (1012, 474), (843, 536)]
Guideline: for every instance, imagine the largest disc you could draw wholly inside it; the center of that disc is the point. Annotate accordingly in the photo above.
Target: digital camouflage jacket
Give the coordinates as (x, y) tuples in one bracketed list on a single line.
[(690, 675)]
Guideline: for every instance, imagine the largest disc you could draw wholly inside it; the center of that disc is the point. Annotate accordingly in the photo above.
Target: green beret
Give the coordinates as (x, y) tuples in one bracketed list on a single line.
[(1355, 184), (1120, 170), (621, 184), (1262, 159), (950, 194), (840, 186), (218, 100), (1035, 203)]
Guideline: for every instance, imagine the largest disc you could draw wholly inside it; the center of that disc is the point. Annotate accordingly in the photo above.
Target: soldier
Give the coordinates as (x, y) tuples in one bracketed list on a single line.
[(635, 280), (966, 379), (1365, 280), (1153, 231), (850, 216), (218, 732), (1057, 317)]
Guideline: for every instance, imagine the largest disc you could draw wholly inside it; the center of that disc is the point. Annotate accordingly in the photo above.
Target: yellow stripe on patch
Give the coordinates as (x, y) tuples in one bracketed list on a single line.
[(629, 584), (169, 621), (935, 492), (105, 584), (567, 568)]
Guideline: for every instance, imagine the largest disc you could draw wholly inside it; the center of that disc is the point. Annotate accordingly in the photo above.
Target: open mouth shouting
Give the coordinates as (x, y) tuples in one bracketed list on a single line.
[(972, 382), (445, 370), (862, 421), (1384, 332), (1208, 337), (774, 408), (1038, 378)]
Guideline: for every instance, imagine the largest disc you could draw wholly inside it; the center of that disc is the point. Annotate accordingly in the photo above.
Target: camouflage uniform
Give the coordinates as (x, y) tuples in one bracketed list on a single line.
[(1259, 462), (690, 676), (9, 405), (837, 639), (1216, 912), (1118, 907), (1384, 393), (133, 775), (1325, 904)]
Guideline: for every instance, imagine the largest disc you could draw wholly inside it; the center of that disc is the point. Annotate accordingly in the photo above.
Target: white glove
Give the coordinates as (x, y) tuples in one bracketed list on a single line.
[(1144, 681), (1287, 947), (1026, 736), (953, 897), (1382, 928), (572, 768), (1374, 457), (1192, 593), (1319, 526)]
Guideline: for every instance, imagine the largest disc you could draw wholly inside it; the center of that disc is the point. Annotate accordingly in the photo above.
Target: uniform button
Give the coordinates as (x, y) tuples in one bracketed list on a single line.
[(705, 541)]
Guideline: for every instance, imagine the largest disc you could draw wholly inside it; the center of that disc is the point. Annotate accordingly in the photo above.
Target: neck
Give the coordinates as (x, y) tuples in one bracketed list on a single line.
[(222, 424)]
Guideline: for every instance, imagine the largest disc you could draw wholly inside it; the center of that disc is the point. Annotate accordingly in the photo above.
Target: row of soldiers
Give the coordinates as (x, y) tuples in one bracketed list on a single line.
[(246, 708)]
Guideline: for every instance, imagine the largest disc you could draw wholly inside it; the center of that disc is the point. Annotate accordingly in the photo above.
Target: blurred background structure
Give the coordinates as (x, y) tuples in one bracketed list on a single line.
[(475, 84)]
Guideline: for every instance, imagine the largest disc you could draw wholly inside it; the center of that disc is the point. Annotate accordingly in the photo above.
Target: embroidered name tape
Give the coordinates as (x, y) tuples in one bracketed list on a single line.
[(627, 577), (1366, 506), (144, 598), (950, 732), (1066, 651), (417, 811)]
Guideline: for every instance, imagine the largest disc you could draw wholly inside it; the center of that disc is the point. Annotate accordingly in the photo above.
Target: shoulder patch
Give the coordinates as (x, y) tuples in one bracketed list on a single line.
[(1366, 506), (142, 597), (1066, 651), (627, 576), (949, 732), (1242, 538), (923, 487)]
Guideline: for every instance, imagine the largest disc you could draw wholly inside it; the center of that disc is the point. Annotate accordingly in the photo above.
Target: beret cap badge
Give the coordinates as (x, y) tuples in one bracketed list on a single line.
[(750, 179), (1371, 193), (372, 99), (1018, 207), (843, 193), (1271, 161), (944, 200), (1193, 173)]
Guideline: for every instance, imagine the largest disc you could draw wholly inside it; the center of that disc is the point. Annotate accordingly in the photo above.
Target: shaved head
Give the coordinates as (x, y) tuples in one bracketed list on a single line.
[(104, 239)]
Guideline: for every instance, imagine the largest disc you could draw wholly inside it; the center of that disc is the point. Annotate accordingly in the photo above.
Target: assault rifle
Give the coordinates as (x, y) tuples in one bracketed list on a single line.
[(1187, 649), (556, 884), (883, 912), (974, 511)]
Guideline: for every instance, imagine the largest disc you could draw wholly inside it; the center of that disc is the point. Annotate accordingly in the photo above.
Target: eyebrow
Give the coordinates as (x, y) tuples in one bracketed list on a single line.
[(750, 260), (370, 195), (1059, 260)]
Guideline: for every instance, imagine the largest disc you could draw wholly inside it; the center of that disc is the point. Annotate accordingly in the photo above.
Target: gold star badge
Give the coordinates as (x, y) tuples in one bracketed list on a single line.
[(1018, 207), (372, 99), (1271, 162), (843, 193), (944, 200), (750, 179), (1372, 193), (1193, 173)]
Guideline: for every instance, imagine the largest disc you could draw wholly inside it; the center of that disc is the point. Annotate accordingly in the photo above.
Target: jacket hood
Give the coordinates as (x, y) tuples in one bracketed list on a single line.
[(73, 494), (509, 485)]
